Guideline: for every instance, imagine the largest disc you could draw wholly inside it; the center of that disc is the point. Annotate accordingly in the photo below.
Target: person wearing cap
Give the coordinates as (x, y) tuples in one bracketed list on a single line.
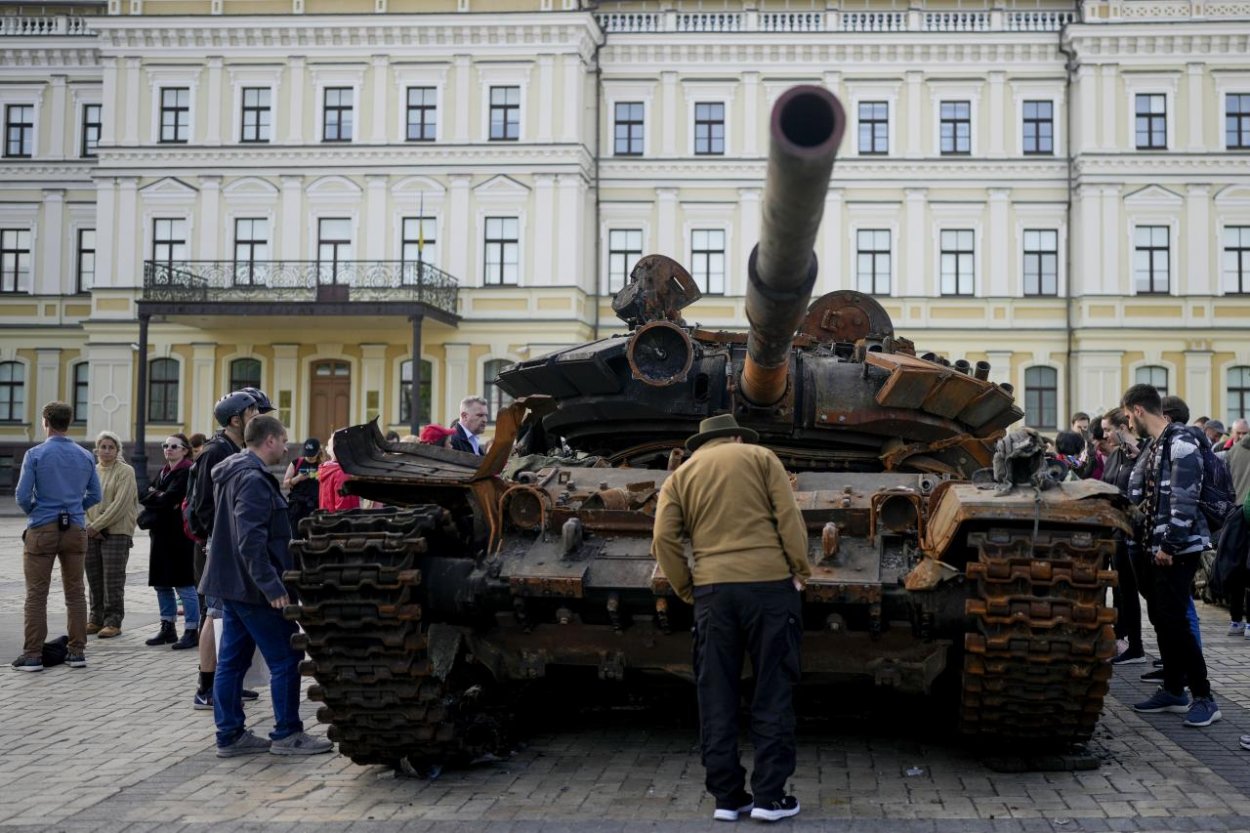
[(301, 484), (1215, 431), (437, 435), (232, 412), (749, 544)]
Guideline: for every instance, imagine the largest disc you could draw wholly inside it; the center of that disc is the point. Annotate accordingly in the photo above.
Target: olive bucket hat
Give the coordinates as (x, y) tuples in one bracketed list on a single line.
[(722, 425)]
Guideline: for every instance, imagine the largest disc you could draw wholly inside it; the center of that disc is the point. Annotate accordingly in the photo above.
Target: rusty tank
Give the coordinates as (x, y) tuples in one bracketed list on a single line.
[(485, 574)]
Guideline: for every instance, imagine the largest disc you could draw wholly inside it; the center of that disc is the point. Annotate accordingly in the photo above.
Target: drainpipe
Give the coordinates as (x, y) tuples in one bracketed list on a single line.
[(594, 295), (1070, 66)]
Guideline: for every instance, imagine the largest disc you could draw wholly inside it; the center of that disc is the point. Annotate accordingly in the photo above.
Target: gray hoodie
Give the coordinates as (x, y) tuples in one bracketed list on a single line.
[(1238, 460)]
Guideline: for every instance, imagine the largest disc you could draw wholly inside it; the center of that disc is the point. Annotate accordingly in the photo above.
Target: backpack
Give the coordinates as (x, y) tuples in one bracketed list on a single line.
[(1218, 497)]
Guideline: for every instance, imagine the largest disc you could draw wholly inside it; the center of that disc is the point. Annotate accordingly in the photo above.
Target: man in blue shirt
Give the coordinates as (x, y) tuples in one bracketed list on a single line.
[(58, 484)]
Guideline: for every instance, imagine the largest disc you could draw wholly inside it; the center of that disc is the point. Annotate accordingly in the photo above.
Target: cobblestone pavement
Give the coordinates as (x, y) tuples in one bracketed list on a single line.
[(117, 747)]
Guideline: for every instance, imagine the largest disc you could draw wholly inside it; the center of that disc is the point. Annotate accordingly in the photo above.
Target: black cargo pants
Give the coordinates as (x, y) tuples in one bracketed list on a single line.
[(764, 621)]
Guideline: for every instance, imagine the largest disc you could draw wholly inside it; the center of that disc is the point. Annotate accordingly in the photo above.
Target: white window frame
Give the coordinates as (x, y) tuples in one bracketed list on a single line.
[(709, 92), (30, 227), (420, 75), (957, 217), (1151, 83), (726, 229), (184, 380), (485, 214), (1061, 405), (1042, 217), (28, 390), (607, 253), (940, 91), (328, 77), (504, 74), (1175, 263), (161, 77), (24, 95), (1023, 91), (621, 94), (875, 91)]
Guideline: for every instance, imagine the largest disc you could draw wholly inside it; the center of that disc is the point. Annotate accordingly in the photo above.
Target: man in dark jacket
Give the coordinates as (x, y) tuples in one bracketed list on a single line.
[(474, 414), (1167, 486), (247, 556)]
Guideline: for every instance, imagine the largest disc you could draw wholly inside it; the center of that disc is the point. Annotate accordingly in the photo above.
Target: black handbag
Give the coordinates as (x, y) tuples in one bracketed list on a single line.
[(147, 518)]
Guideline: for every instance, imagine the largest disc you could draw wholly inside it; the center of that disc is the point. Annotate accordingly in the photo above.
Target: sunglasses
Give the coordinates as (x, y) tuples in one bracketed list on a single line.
[(172, 445)]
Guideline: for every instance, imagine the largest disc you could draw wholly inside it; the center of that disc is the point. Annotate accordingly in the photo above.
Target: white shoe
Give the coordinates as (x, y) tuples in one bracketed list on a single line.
[(1237, 629), (1247, 631)]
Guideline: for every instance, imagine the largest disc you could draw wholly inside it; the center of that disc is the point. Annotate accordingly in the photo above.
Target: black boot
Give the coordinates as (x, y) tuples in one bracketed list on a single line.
[(190, 639), (167, 635)]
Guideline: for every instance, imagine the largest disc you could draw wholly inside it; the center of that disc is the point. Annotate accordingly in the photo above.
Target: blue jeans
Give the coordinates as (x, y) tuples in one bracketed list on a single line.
[(246, 627), (169, 605), (1192, 616)]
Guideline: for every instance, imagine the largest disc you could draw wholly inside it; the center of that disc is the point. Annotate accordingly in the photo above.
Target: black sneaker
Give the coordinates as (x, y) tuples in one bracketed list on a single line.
[(1157, 663), (731, 809), (1130, 657), (776, 810), (25, 663), (76, 661), (1155, 676), (248, 694)]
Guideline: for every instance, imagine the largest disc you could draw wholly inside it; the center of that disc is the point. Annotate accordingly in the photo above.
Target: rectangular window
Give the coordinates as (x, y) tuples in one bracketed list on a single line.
[(92, 118), (12, 392), (82, 387), (14, 260), (86, 259), (336, 117), (422, 114), (19, 131), (418, 246), (956, 127), (1041, 397), (505, 114), (709, 128), (163, 380), (1151, 260), (175, 114), (624, 249), (1237, 259), (169, 241), (1238, 393), (1237, 121), (628, 128), (405, 392), (707, 260), (1152, 121), (257, 115), (872, 261), (251, 251), (503, 250), (957, 262), (334, 248), (1039, 128), (874, 128), (1041, 262)]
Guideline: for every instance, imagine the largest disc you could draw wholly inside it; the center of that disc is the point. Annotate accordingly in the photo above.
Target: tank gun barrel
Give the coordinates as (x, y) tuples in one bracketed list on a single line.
[(805, 130)]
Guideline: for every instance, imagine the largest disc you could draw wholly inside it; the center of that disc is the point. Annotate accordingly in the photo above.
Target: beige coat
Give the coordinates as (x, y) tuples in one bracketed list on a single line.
[(735, 502), (118, 510)]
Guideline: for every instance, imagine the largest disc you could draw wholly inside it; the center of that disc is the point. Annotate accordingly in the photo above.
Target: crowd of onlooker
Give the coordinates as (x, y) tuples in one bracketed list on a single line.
[(1188, 486)]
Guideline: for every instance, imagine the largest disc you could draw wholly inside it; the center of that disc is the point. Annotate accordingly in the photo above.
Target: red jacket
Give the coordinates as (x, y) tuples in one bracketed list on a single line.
[(330, 479)]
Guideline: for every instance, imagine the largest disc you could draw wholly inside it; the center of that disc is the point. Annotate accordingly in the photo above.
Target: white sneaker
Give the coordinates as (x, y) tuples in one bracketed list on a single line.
[(1247, 631), (1121, 645), (1237, 628)]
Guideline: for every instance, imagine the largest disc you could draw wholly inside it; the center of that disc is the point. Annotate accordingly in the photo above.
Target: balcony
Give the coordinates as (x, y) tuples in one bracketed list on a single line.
[(914, 20), (45, 26), (309, 287)]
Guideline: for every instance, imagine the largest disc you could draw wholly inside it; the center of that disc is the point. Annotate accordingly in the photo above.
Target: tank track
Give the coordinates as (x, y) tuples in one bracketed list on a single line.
[(359, 579), (1036, 662)]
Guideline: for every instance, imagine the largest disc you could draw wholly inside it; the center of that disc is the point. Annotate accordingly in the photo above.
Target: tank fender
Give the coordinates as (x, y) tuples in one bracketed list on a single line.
[(929, 573)]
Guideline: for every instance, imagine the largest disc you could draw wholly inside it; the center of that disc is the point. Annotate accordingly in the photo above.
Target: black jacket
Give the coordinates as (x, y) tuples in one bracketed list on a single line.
[(201, 487), (249, 550), (460, 439)]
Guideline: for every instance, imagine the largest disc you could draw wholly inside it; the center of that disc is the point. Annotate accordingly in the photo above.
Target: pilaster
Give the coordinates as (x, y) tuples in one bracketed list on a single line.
[(1108, 139), (287, 386), (542, 231), (375, 216), (130, 125), (833, 227), (1000, 366), (381, 69), (546, 117), (570, 212), (997, 148), (210, 220), (914, 99), (48, 376), (1113, 283), (457, 257), (574, 75), (292, 214), (996, 284), (750, 116), (295, 122), (204, 393), (457, 388), (50, 278), (105, 227), (748, 236), (129, 253), (463, 99), (1201, 270), (1194, 100), (58, 138), (914, 234), (108, 125), (372, 381), (1198, 389), (211, 105), (668, 114), (112, 386), (666, 223), (1098, 384)]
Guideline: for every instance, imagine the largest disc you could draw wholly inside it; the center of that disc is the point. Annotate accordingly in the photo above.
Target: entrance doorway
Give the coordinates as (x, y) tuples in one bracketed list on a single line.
[(330, 398)]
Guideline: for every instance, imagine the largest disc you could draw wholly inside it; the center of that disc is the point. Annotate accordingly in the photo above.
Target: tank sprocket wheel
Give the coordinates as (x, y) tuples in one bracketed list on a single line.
[(359, 582), (1036, 662)]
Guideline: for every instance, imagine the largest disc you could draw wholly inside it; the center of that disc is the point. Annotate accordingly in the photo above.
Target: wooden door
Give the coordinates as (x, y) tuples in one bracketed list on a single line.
[(330, 399)]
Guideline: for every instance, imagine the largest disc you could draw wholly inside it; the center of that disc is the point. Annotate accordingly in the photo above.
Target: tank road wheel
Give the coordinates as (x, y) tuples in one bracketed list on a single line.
[(1036, 662), (360, 588)]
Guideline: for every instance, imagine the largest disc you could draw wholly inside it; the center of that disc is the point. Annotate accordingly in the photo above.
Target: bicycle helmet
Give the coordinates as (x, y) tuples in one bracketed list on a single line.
[(231, 405), (262, 401)]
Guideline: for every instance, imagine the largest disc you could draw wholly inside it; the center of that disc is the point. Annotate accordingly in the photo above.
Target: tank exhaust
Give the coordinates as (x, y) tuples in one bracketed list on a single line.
[(805, 130)]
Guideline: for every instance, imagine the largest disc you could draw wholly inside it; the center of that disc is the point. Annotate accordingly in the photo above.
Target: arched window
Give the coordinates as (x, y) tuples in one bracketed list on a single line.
[(82, 376), (1041, 397), (244, 373), (12, 392), (1155, 376), (1238, 393), (405, 392), (163, 390), (496, 397)]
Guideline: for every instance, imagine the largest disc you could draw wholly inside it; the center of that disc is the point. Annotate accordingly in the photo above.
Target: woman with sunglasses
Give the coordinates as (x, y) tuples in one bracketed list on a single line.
[(110, 535), (170, 568)]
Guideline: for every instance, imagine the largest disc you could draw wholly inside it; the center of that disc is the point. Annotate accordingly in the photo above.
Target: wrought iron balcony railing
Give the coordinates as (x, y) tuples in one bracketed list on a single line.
[(299, 281)]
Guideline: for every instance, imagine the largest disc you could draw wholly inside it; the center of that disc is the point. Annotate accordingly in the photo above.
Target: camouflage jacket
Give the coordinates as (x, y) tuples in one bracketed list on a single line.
[(1166, 484)]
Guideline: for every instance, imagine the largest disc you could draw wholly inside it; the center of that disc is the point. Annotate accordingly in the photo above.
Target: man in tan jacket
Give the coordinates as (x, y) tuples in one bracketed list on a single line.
[(749, 547)]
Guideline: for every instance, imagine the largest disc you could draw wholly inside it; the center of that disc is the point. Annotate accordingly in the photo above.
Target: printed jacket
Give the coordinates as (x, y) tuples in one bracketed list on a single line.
[(248, 552), (1174, 524)]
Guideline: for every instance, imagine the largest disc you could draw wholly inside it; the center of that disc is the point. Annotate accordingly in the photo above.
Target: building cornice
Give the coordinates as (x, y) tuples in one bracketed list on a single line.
[(730, 171), (445, 158), (409, 35), (1212, 167), (49, 56), (1152, 43)]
